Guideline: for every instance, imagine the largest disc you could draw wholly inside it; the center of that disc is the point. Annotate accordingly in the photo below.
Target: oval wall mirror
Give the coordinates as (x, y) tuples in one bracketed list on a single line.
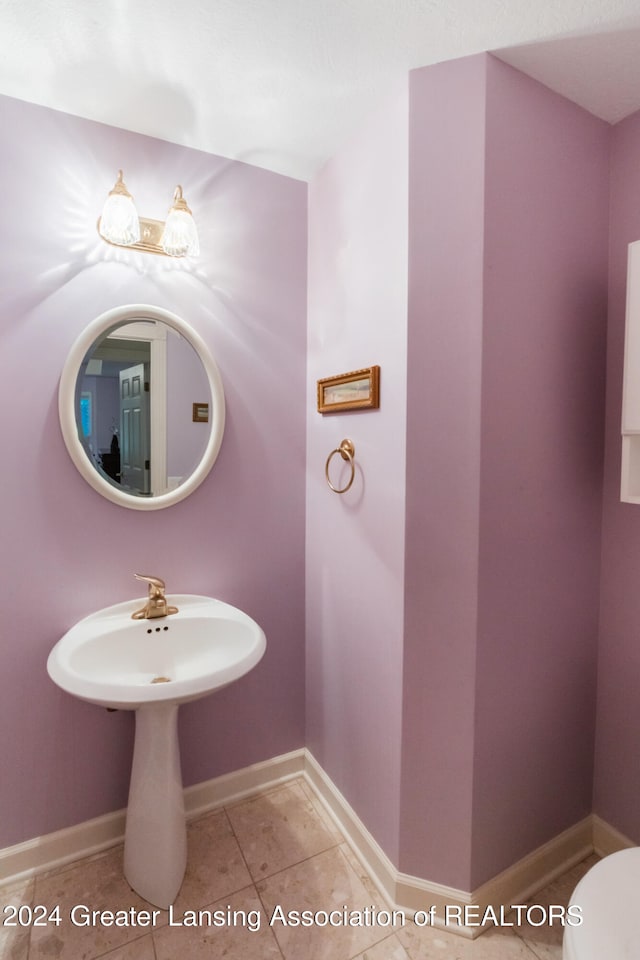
[(141, 407)]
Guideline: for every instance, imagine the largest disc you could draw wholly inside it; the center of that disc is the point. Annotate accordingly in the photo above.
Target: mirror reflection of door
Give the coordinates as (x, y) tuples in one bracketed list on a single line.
[(135, 467), (127, 378), (151, 338), (146, 442)]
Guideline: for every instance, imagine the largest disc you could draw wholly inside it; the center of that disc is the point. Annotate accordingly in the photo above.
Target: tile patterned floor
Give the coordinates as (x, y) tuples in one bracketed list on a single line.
[(276, 851)]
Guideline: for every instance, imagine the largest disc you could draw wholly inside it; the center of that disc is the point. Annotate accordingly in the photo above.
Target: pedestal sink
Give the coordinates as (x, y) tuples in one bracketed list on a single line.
[(152, 666)]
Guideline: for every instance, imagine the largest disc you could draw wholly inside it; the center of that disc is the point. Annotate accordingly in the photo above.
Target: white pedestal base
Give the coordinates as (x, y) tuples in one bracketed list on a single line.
[(155, 844)]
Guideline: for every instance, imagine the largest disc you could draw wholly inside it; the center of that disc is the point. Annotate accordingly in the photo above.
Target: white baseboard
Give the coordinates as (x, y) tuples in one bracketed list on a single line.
[(93, 836), (401, 891), (232, 787), (539, 868), (606, 839), (407, 893), (56, 849), (363, 844)]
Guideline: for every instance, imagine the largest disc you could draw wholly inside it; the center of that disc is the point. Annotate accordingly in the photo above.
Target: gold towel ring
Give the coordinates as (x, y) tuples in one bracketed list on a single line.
[(347, 452)]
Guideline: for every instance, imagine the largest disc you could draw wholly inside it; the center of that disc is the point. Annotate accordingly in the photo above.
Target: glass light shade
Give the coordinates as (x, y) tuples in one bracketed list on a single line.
[(180, 237), (119, 221)]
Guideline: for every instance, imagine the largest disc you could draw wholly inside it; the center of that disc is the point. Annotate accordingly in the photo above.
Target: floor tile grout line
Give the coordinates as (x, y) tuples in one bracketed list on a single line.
[(237, 839), (349, 867), (531, 949), (273, 933), (235, 890), (123, 946), (340, 843), (251, 886), (257, 880), (31, 904), (376, 944), (297, 863)]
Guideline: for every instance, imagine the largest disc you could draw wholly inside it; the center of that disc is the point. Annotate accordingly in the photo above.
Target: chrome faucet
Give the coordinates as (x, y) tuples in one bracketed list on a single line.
[(156, 605)]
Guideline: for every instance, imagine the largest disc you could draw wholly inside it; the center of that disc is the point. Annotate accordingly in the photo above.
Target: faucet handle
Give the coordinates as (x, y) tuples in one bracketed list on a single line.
[(156, 605), (156, 584)]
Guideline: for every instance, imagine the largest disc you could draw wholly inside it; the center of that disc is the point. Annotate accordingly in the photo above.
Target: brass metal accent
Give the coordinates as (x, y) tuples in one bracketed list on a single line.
[(200, 413), (156, 605), (179, 202), (161, 680), (358, 389), (120, 187), (150, 236), (347, 451), (150, 230)]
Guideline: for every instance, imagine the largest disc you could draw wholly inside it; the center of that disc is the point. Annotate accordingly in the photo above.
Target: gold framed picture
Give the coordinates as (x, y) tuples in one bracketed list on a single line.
[(200, 413), (357, 390)]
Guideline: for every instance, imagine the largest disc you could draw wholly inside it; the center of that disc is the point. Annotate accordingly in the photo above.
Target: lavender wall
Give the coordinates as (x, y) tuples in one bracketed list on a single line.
[(443, 467), (355, 542), (451, 595), (543, 372), (65, 550), (617, 774), (507, 314), (186, 384)]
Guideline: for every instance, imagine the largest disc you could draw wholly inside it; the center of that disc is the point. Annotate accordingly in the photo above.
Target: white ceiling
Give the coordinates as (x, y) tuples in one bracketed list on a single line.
[(281, 83)]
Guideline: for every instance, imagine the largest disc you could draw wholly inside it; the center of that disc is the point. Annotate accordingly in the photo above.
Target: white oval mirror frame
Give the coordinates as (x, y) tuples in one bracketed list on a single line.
[(67, 412)]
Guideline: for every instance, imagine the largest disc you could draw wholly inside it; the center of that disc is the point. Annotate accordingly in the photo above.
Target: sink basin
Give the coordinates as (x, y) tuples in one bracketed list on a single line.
[(114, 661), (151, 667)]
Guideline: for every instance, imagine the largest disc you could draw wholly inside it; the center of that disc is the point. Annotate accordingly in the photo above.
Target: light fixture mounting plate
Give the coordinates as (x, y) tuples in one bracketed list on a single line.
[(150, 236)]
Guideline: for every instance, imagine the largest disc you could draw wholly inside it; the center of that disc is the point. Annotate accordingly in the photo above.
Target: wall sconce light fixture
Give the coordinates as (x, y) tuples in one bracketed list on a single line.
[(121, 225)]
